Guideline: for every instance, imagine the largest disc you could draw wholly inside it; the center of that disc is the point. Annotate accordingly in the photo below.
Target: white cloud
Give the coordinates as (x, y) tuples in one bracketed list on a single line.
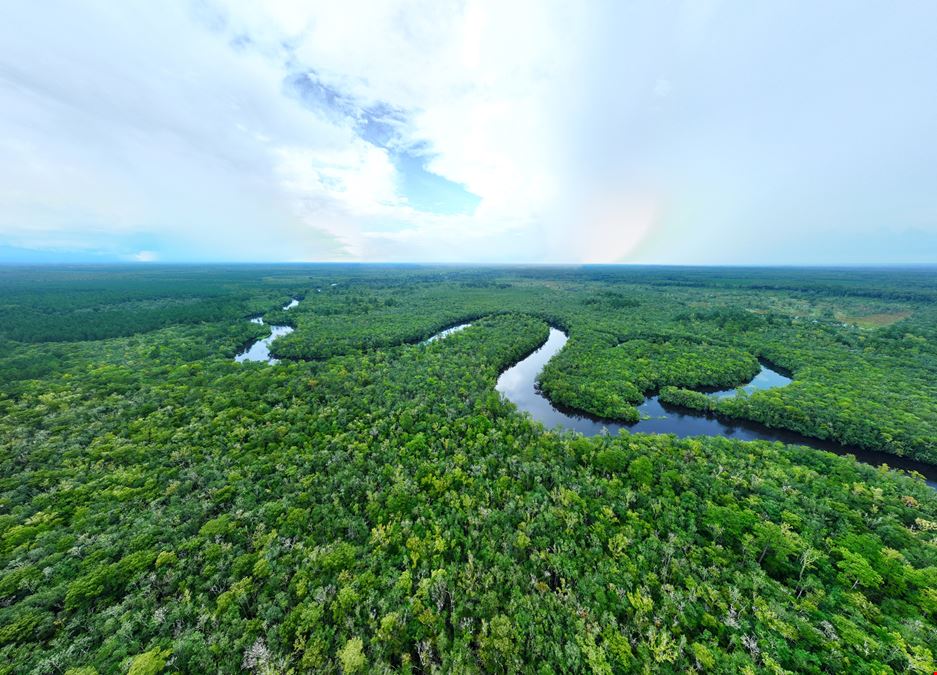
[(122, 134), (482, 83), (177, 128)]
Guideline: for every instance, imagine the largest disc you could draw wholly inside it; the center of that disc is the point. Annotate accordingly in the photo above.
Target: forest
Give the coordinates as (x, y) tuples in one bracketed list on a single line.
[(372, 504)]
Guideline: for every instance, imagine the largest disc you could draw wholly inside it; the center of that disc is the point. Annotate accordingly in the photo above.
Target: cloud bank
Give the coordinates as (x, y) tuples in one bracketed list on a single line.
[(549, 131)]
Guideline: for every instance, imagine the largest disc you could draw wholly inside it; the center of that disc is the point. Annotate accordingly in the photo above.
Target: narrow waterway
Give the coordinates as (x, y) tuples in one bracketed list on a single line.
[(260, 350), (518, 384), (445, 333)]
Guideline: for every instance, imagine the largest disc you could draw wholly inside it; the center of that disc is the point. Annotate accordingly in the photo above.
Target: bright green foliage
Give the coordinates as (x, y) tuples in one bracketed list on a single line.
[(498, 646), (857, 569), (379, 508), (641, 471), (352, 656), (149, 663)]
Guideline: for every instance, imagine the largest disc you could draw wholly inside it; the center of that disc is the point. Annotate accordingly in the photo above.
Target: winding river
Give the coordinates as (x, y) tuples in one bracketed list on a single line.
[(260, 350), (518, 384), (445, 333)]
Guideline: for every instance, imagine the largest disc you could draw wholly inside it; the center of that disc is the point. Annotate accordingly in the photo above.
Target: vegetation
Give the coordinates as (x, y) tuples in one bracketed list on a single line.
[(598, 375), (376, 507), (687, 398)]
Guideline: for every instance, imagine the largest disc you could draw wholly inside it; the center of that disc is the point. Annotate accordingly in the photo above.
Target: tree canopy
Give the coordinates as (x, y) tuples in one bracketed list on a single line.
[(371, 504)]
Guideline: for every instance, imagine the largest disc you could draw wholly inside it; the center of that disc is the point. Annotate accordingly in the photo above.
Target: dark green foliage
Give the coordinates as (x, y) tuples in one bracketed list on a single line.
[(687, 398), (86, 303), (380, 508), (606, 378)]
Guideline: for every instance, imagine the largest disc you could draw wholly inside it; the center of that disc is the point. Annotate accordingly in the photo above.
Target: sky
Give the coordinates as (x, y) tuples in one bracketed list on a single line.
[(533, 131)]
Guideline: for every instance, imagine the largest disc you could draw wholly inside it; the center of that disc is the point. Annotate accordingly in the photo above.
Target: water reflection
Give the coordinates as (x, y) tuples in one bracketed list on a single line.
[(765, 379), (444, 333), (518, 385), (260, 350)]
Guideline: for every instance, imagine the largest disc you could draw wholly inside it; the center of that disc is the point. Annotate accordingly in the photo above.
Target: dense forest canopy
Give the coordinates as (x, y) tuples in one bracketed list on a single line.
[(371, 504)]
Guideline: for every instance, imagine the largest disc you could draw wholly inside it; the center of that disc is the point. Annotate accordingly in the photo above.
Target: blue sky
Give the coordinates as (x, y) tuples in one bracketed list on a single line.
[(701, 132)]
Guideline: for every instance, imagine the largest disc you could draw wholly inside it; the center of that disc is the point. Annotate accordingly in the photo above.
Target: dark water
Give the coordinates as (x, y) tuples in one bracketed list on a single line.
[(765, 379), (518, 385), (260, 350)]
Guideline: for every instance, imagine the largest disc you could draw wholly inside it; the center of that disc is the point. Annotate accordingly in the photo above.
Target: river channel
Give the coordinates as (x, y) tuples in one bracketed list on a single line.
[(260, 350), (518, 384)]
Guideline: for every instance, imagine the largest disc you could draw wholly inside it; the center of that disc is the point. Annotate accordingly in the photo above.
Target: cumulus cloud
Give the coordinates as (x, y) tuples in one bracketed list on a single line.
[(476, 130)]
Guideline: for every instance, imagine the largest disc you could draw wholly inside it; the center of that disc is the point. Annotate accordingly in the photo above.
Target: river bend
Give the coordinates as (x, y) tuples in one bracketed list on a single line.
[(518, 384), (260, 350)]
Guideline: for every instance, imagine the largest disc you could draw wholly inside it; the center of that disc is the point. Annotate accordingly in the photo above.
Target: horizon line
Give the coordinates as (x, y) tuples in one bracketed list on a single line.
[(191, 263)]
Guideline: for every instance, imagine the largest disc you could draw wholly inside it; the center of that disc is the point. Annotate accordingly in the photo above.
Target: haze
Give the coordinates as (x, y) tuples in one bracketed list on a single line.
[(651, 132)]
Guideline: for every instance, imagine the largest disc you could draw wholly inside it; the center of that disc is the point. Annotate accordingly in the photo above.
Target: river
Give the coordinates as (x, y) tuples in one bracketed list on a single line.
[(260, 350), (518, 384), (445, 333)]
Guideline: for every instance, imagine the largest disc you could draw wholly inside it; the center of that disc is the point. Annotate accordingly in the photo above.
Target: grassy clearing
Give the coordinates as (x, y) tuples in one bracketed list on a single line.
[(878, 320)]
